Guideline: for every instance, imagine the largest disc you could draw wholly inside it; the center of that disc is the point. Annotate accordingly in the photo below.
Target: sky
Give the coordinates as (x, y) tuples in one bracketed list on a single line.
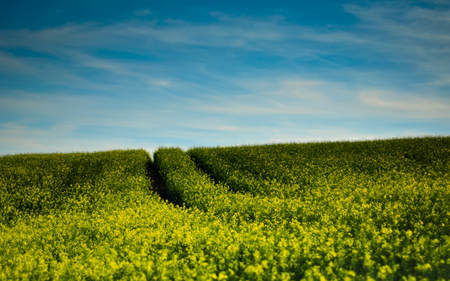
[(100, 75)]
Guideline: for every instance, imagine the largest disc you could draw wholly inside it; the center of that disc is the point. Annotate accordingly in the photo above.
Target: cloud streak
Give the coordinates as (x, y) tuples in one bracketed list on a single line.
[(413, 107), (229, 79), (398, 34)]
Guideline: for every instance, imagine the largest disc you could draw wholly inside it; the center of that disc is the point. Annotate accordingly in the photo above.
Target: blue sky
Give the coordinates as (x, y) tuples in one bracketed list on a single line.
[(100, 75)]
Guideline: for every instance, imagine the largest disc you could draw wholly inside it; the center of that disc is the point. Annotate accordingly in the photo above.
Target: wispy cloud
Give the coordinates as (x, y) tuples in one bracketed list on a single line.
[(61, 138), (414, 35), (413, 107), (231, 79), (12, 64), (143, 12), (397, 33)]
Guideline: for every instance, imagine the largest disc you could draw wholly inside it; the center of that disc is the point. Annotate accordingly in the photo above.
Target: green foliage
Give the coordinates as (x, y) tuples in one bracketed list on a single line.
[(367, 195), (351, 217), (289, 170), (38, 183), (399, 182)]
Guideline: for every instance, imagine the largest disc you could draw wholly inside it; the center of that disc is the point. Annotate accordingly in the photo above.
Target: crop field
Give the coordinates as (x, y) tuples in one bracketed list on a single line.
[(360, 210)]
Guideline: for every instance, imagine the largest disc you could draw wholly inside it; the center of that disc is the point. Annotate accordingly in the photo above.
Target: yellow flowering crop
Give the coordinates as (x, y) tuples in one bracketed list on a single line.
[(318, 211)]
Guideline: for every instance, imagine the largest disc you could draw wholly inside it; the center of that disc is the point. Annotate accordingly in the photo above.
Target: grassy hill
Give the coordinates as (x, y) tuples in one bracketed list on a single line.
[(330, 210)]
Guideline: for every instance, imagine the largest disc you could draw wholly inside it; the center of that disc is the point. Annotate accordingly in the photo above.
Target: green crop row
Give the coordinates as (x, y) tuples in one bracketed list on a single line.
[(404, 201), (39, 183), (113, 227), (373, 177), (403, 183), (288, 170), (388, 218), (187, 185), (129, 233)]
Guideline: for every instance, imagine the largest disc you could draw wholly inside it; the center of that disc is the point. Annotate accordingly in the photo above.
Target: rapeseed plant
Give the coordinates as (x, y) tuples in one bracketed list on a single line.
[(336, 211)]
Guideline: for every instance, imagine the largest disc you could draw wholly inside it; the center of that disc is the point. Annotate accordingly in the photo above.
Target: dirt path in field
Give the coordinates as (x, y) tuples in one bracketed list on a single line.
[(157, 182)]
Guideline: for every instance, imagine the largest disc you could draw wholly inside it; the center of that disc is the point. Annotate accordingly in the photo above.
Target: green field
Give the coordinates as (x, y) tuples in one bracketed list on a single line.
[(357, 210)]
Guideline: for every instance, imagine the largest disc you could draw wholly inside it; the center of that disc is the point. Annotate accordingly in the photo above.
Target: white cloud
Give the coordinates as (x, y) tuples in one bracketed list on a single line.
[(260, 34), (414, 35), (391, 32), (302, 88), (22, 138), (253, 106), (162, 83), (16, 138), (11, 64), (409, 105), (194, 82), (325, 134), (282, 96), (143, 12)]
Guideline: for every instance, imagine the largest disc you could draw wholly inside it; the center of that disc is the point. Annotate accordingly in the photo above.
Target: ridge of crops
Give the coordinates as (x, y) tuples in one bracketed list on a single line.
[(127, 232), (377, 203), (40, 183), (286, 170), (188, 186), (97, 219)]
